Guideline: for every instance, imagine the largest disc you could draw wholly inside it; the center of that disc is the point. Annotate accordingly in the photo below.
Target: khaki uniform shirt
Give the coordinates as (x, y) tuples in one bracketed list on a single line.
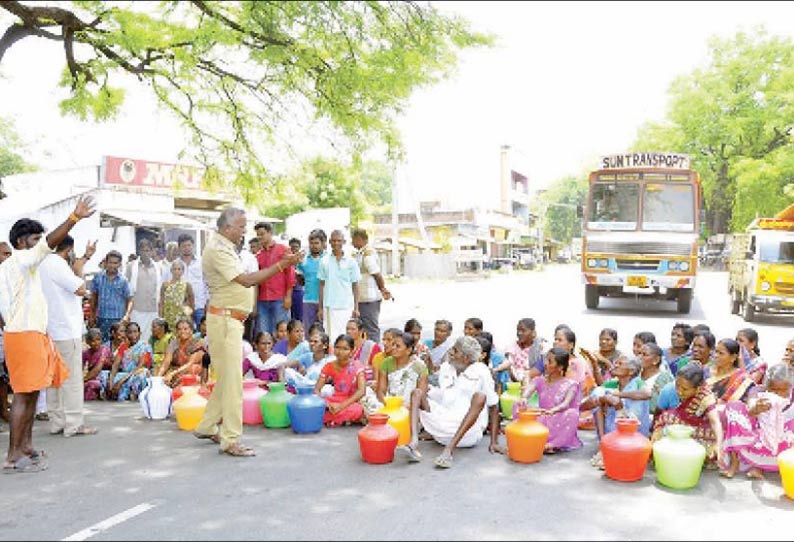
[(221, 265)]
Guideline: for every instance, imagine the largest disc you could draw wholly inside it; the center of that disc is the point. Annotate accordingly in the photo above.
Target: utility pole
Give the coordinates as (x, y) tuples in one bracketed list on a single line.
[(395, 226)]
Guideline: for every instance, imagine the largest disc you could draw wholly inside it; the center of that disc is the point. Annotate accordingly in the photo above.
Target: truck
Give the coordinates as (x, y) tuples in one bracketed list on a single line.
[(641, 228), (761, 267)]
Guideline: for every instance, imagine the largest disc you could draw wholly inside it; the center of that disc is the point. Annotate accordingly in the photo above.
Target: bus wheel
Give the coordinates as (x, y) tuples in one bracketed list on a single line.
[(748, 311), (684, 301), (591, 296)]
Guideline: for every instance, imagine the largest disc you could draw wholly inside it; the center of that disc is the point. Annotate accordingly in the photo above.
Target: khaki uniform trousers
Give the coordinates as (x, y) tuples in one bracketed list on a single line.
[(225, 338)]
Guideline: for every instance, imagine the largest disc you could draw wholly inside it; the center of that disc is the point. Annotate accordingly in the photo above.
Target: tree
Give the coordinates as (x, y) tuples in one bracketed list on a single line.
[(11, 147), (735, 119), (331, 184), (238, 74), (561, 199)]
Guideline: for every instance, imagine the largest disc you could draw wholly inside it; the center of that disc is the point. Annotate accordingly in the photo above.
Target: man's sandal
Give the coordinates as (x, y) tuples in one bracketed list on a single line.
[(443, 461), (238, 450), (24, 464)]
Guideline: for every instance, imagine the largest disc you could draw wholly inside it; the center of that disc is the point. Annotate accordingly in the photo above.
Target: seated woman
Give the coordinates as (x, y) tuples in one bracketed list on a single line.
[(558, 399), (387, 344), (493, 358), (161, 337), (788, 354), (264, 364), (183, 355), (347, 377), (697, 409), (402, 372), (95, 358), (578, 369), (364, 348), (293, 346), (127, 377), (757, 432), (457, 414), (310, 365), (602, 361), (614, 403), (118, 343), (727, 380), (679, 353), (642, 338), (524, 358), (414, 327), (654, 378), (751, 360)]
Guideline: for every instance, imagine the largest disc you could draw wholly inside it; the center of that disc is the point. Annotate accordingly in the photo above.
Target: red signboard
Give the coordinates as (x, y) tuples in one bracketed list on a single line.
[(142, 173)]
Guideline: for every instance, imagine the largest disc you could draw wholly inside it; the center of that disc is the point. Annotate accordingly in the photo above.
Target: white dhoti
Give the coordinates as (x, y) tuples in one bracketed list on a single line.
[(335, 322)]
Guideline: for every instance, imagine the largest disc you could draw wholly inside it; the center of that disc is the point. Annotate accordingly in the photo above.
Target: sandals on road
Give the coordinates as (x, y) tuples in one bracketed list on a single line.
[(24, 464), (213, 438), (238, 450)]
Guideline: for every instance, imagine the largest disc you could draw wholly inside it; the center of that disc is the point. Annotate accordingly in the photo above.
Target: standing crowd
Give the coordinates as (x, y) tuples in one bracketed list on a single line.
[(276, 314)]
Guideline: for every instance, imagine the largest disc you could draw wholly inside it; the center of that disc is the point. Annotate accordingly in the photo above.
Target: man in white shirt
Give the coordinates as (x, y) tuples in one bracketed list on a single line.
[(145, 281), (32, 363), (371, 287), (457, 413), (64, 289)]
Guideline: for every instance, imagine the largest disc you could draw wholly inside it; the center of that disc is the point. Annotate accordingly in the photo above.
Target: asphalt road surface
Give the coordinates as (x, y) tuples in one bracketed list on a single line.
[(145, 480)]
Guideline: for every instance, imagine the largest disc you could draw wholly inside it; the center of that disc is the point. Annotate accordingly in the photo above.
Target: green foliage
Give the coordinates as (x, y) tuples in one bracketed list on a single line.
[(735, 119), (11, 151), (240, 75), (561, 199)]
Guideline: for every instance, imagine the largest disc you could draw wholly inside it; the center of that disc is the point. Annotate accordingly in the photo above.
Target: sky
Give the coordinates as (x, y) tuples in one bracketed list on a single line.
[(565, 83)]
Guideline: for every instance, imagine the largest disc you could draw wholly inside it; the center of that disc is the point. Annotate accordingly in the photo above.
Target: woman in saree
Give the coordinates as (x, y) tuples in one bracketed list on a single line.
[(95, 358), (758, 431), (294, 346), (727, 380), (558, 400), (159, 340), (176, 296), (698, 409), (183, 355), (364, 349), (751, 359), (127, 377)]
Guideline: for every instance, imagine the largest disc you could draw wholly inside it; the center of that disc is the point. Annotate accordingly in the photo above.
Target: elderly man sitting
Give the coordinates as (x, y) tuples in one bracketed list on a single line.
[(454, 413)]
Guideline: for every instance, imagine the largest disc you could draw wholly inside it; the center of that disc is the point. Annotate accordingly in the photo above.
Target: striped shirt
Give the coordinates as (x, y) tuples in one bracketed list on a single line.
[(367, 260), (112, 295), (22, 302)]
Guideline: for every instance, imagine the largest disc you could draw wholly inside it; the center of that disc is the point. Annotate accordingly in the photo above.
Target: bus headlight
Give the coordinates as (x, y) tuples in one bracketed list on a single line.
[(604, 263), (672, 266), (765, 286), (683, 266), (592, 262)]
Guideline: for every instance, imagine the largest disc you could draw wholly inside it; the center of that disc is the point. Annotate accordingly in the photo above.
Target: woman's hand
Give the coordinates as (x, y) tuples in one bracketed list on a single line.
[(334, 408)]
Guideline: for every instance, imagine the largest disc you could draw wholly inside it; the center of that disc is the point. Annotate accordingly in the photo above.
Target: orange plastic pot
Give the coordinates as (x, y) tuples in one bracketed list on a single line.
[(526, 437), (625, 452)]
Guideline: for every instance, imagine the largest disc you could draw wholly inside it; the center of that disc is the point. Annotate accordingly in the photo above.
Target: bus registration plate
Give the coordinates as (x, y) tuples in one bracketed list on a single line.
[(638, 281)]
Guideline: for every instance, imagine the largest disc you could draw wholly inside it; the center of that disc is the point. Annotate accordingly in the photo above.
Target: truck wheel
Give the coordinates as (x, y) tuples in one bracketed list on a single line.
[(748, 311), (684, 301), (736, 304), (591, 296)]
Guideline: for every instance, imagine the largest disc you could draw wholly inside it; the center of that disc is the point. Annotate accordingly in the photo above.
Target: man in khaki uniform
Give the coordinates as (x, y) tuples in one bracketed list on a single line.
[(230, 302)]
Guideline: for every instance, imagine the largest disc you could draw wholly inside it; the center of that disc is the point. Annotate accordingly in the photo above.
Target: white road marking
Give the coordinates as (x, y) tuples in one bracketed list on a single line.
[(110, 522)]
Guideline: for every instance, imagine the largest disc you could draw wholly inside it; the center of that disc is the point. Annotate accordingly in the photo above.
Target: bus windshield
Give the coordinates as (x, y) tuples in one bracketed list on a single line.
[(668, 207), (614, 206)]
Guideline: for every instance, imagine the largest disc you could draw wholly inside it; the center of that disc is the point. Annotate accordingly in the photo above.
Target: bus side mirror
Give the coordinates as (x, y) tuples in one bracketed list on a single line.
[(579, 211)]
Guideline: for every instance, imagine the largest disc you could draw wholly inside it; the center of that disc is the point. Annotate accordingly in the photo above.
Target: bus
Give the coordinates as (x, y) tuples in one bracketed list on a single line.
[(641, 228)]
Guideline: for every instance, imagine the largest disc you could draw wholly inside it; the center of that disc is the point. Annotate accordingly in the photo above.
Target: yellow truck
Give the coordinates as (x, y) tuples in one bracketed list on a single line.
[(761, 267)]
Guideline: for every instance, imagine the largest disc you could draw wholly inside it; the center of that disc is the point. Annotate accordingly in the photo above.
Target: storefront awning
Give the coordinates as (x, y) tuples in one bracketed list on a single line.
[(155, 219)]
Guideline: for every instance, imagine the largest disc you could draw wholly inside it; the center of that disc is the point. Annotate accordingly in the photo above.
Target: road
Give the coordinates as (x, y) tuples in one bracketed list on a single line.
[(146, 480)]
